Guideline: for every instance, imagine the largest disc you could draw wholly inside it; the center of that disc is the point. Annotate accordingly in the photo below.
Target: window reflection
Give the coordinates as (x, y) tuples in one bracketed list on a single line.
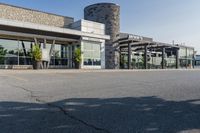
[(15, 52), (186, 56), (60, 55), (19, 53), (92, 53)]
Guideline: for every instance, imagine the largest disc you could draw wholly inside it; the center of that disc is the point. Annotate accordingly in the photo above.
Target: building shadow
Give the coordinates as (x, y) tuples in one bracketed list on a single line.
[(93, 115)]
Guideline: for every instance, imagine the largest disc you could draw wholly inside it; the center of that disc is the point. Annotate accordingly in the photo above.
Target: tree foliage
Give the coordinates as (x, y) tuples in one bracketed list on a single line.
[(36, 53), (77, 55)]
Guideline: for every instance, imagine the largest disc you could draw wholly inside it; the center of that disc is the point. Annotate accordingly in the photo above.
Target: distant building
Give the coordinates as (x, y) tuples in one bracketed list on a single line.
[(139, 52), (58, 36)]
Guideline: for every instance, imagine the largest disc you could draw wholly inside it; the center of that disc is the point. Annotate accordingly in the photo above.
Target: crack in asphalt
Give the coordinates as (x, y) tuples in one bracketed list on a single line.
[(66, 113), (73, 117)]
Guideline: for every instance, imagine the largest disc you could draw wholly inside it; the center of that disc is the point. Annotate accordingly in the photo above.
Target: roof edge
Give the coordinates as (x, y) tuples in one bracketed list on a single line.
[(35, 10), (103, 3)]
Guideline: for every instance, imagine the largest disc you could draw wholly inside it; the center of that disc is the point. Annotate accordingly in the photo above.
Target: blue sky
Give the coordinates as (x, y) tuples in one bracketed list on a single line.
[(164, 20)]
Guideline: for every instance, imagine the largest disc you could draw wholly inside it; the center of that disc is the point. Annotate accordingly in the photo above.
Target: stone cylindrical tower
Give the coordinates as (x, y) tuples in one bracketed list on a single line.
[(108, 14)]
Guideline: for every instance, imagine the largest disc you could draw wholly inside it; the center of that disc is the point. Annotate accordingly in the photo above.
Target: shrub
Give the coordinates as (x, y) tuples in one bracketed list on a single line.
[(36, 53), (77, 55)]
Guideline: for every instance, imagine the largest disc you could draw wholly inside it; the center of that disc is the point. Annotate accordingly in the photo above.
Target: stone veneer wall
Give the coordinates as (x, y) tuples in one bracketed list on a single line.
[(33, 16), (108, 14)]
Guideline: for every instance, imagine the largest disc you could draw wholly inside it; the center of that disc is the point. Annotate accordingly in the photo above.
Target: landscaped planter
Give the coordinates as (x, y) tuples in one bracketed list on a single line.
[(37, 57), (78, 65), (37, 65)]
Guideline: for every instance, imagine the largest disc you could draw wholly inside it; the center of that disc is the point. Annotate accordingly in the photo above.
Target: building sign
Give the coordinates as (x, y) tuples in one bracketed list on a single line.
[(135, 37)]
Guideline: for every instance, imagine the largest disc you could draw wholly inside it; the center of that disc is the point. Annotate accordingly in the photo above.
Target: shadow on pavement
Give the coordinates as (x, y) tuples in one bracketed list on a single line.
[(115, 115)]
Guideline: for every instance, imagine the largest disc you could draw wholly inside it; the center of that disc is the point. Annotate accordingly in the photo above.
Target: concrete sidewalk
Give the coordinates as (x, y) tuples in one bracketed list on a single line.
[(92, 70)]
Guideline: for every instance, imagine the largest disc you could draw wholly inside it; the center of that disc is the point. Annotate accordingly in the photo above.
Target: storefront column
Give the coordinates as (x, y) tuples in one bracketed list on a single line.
[(62, 54), (31, 46), (186, 62), (70, 56), (26, 60), (45, 43), (177, 58), (18, 52), (35, 40), (163, 58), (120, 58), (145, 57), (62, 51), (45, 63), (129, 56), (51, 52)]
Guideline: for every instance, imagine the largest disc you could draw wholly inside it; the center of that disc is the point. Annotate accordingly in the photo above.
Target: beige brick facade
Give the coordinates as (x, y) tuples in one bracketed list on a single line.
[(33, 16)]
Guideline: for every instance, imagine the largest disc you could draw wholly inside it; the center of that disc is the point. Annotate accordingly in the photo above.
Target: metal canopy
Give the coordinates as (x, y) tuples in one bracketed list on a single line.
[(130, 44), (145, 43), (138, 42)]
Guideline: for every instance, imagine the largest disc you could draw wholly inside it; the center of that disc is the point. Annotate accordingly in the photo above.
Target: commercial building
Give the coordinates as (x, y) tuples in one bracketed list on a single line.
[(58, 36), (98, 35)]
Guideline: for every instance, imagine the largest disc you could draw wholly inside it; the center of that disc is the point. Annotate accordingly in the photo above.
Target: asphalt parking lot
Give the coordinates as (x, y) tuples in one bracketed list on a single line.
[(61, 101)]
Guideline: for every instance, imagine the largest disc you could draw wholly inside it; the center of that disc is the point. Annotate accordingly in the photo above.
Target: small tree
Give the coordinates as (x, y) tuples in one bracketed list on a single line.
[(37, 56), (77, 57), (36, 53)]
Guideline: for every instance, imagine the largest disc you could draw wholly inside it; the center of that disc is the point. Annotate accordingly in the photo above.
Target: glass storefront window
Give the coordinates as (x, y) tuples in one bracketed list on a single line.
[(63, 56), (92, 53), (60, 55), (182, 53), (186, 57), (197, 63), (186, 52), (190, 53), (15, 52)]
